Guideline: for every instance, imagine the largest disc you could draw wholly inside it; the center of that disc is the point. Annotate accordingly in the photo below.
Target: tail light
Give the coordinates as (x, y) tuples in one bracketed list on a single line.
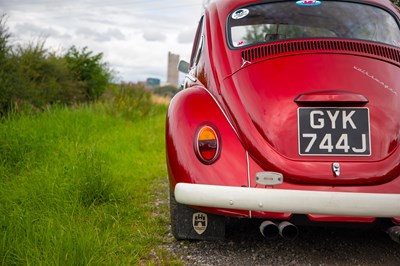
[(207, 143)]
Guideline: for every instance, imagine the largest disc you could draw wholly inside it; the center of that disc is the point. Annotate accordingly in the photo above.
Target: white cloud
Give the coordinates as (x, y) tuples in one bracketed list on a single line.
[(111, 33), (134, 36), (154, 36), (34, 31), (187, 35)]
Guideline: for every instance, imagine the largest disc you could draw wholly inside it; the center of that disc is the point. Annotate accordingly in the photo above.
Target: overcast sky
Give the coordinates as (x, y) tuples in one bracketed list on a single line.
[(134, 35)]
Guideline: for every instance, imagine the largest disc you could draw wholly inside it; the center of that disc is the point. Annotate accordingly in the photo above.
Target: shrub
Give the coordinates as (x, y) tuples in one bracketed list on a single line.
[(6, 69), (90, 70), (43, 78), (4, 37), (31, 77)]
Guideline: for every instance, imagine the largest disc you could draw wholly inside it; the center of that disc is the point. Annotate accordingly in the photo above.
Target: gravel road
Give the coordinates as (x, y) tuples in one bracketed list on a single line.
[(314, 246)]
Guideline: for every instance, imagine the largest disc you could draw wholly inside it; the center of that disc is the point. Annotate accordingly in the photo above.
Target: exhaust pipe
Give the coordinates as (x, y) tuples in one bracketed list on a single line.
[(269, 230), (288, 230), (394, 233)]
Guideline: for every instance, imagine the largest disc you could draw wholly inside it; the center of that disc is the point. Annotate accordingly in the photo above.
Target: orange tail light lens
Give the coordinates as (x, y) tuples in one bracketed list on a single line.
[(207, 144)]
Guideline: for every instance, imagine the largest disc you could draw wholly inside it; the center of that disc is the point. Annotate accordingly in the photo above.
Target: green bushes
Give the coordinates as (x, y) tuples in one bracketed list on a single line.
[(31, 76), (89, 70)]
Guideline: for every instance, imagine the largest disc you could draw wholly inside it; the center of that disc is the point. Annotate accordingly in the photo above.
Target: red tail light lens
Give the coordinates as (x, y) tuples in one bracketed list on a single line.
[(207, 144)]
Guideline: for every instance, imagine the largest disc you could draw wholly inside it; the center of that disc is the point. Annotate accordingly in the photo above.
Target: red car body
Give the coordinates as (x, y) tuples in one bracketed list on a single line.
[(290, 125)]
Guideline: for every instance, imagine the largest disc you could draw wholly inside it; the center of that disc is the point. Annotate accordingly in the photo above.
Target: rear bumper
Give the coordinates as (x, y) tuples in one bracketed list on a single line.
[(289, 201)]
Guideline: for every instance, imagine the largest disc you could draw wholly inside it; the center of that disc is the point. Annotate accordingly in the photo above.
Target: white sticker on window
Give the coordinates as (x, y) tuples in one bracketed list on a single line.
[(240, 13)]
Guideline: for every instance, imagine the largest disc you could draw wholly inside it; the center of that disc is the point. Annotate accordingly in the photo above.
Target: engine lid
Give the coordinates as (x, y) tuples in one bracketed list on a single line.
[(303, 114)]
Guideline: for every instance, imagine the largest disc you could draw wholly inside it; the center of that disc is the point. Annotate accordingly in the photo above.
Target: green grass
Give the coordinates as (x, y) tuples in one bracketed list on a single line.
[(79, 186)]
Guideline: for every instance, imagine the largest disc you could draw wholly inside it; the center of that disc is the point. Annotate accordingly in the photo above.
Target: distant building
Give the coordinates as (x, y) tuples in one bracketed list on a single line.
[(153, 82), (173, 73)]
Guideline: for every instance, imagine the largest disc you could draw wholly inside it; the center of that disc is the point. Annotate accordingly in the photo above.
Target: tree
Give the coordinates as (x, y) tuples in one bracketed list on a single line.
[(6, 69), (4, 37), (90, 70)]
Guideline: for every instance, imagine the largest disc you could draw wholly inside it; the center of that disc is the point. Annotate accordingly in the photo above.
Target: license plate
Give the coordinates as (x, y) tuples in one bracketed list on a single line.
[(334, 131)]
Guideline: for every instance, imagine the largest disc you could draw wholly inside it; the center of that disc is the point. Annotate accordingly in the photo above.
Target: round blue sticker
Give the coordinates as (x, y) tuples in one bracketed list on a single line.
[(308, 3)]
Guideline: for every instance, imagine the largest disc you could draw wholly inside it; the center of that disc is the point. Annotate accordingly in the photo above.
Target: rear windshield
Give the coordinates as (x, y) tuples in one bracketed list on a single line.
[(311, 19)]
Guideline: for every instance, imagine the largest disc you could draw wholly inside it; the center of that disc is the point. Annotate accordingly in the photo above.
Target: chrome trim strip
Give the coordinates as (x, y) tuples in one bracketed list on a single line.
[(248, 175)]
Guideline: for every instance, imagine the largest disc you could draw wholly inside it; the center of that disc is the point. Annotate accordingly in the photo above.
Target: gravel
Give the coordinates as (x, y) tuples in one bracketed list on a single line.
[(244, 245)]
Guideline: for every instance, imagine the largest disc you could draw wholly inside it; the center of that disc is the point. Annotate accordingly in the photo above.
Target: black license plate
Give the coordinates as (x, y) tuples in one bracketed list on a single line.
[(334, 131)]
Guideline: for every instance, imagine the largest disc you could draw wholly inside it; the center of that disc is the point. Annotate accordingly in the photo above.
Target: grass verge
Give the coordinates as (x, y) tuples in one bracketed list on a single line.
[(79, 186)]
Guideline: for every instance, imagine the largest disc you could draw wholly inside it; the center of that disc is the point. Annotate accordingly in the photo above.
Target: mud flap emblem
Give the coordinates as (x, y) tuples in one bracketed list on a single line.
[(200, 222)]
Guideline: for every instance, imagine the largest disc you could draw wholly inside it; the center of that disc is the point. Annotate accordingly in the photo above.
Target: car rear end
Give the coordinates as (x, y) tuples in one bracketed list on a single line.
[(314, 98)]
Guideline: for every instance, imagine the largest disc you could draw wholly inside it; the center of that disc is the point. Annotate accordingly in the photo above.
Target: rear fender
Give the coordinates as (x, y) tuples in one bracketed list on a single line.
[(188, 110)]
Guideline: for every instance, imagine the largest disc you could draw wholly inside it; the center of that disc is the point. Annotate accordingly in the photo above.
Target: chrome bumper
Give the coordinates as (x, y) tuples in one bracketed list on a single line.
[(289, 201)]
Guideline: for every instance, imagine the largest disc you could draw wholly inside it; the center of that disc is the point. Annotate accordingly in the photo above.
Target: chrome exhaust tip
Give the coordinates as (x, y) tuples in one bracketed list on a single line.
[(269, 230), (288, 230), (394, 233)]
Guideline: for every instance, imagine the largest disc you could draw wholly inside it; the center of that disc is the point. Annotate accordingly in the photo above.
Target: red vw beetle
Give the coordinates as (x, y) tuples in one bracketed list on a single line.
[(290, 113)]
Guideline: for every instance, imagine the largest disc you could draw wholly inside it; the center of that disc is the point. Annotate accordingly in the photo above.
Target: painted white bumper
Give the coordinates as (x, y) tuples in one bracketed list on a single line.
[(290, 201)]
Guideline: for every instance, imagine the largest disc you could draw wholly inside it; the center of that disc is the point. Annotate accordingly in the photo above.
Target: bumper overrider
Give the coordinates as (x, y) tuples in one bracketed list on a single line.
[(289, 201)]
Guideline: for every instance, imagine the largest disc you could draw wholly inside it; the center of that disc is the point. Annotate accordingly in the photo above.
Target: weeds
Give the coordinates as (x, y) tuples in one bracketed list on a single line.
[(128, 101), (95, 186)]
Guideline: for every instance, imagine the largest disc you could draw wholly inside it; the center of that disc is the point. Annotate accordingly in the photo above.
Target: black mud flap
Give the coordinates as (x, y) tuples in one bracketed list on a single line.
[(191, 224)]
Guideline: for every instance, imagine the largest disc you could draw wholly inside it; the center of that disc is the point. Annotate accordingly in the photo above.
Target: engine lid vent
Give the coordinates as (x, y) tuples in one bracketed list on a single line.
[(325, 45)]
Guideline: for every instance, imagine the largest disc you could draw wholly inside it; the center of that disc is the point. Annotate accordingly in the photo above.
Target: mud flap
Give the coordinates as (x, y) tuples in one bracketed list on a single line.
[(191, 224)]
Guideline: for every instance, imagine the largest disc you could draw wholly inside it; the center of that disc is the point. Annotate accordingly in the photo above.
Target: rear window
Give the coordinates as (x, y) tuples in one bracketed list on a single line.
[(270, 22)]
